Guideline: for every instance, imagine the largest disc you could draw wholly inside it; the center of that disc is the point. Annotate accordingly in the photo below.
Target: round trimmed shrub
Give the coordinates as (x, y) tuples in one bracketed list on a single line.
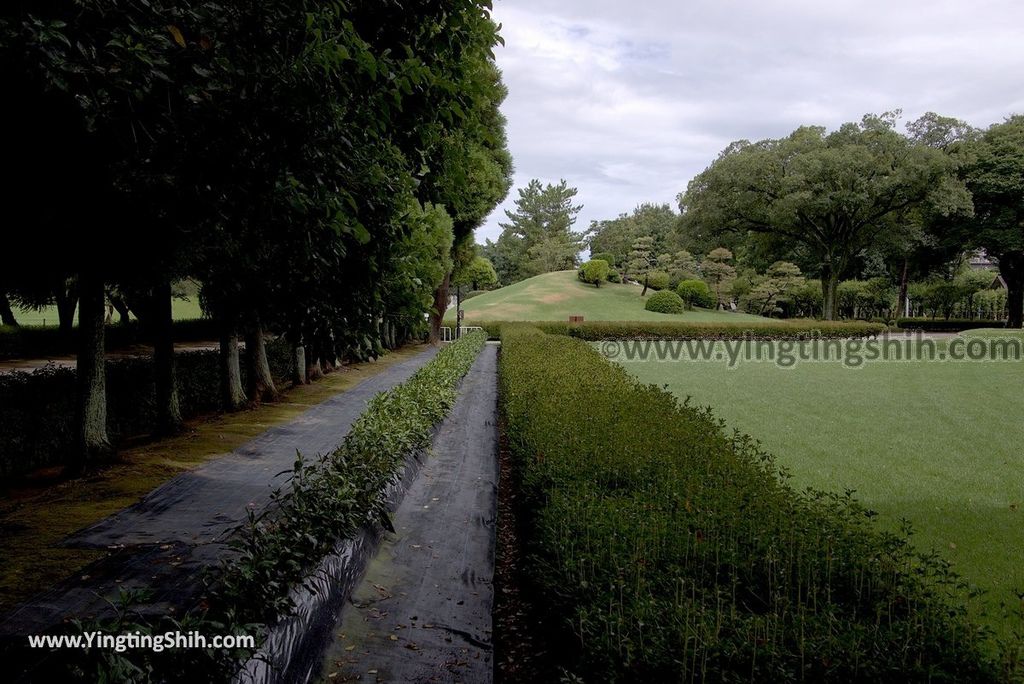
[(594, 272), (666, 302), (657, 280), (604, 256), (614, 276), (696, 293)]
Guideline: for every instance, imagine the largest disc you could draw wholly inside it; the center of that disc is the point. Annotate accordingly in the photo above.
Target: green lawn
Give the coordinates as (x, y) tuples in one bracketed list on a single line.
[(940, 444), (183, 309), (556, 296)]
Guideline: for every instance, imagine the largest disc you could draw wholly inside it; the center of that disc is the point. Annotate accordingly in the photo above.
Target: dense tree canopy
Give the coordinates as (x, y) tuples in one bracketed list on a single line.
[(995, 177), (829, 195), (315, 166)]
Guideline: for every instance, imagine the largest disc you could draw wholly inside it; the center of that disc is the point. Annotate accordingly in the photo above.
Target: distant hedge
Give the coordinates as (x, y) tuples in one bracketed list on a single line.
[(685, 330), (37, 409), (947, 325), (35, 342), (665, 550)]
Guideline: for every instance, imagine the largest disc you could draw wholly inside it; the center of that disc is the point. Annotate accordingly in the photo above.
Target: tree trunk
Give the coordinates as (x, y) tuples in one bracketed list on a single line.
[(645, 287), (261, 381), (6, 313), (93, 444), (829, 286), (232, 394), (904, 285), (314, 371), (123, 312), (168, 409), (298, 365), (458, 311), (440, 309), (66, 303), (1011, 267)]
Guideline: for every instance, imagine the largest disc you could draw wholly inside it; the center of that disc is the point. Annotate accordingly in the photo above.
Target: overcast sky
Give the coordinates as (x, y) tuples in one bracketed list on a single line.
[(629, 99)]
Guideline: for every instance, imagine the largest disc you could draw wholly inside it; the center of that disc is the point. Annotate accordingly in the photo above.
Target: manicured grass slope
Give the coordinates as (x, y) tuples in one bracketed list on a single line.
[(941, 445), (556, 296)]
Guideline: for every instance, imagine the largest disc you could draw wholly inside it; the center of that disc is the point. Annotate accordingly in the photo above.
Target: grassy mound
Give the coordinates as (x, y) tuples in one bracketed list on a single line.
[(556, 296)]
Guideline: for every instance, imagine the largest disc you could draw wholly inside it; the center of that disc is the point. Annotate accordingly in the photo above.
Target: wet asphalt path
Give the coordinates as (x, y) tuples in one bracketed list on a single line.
[(422, 612), (177, 530)]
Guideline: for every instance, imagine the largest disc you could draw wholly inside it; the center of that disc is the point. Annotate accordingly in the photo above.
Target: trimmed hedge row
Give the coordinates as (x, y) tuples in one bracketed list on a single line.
[(949, 325), (683, 330), (34, 341), (342, 491), (37, 409), (665, 550)]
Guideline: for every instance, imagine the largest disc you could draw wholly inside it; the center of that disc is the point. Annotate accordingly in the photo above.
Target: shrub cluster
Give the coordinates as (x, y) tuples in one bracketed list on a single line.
[(35, 341), (594, 272), (37, 409), (666, 550), (947, 325), (666, 301), (696, 293), (684, 330), (658, 280)]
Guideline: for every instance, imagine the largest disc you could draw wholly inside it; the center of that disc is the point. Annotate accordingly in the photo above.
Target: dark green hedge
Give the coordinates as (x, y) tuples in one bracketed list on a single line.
[(37, 409), (332, 496), (665, 550), (683, 330), (949, 325), (35, 342)]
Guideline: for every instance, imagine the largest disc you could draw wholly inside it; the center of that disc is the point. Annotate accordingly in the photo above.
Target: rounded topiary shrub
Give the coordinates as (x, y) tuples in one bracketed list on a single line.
[(614, 277), (604, 256), (696, 293), (665, 302), (594, 272), (657, 280)]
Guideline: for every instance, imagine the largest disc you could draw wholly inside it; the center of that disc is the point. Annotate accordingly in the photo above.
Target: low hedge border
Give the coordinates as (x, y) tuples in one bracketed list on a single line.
[(947, 325), (37, 409), (666, 550), (326, 500), (594, 331)]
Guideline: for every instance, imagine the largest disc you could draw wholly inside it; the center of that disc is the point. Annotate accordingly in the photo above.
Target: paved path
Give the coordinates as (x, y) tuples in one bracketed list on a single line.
[(178, 529), (423, 611)]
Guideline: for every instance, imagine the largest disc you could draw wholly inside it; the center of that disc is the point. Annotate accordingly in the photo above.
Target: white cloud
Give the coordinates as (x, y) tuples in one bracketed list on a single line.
[(629, 100)]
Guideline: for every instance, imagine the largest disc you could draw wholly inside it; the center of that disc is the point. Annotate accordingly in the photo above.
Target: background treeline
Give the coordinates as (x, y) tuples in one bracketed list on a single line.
[(319, 168), (778, 226)]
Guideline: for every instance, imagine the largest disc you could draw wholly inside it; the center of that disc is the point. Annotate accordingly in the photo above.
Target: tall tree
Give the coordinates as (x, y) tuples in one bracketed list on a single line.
[(642, 260), (542, 221), (718, 272), (995, 177), (831, 194)]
